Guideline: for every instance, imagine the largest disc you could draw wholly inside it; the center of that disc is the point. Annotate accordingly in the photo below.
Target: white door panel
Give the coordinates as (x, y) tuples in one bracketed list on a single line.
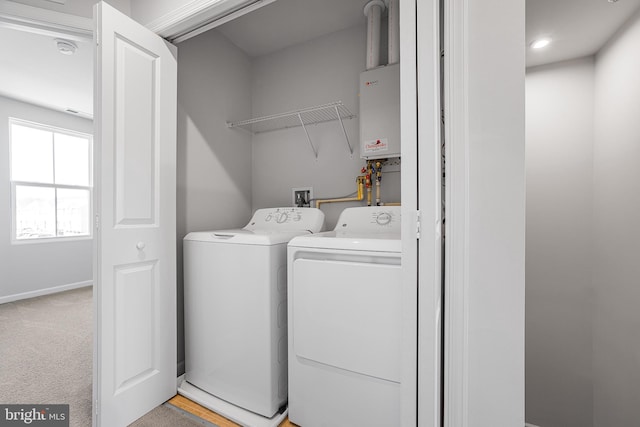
[(135, 257), (348, 315), (136, 183), (134, 328)]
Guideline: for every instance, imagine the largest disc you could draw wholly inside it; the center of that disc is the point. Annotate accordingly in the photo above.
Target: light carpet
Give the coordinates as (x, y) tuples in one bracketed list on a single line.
[(168, 415), (46, 352)]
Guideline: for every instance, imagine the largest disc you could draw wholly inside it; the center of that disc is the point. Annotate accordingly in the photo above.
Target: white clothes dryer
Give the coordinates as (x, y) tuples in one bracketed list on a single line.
[(344, 303), (235, 314)]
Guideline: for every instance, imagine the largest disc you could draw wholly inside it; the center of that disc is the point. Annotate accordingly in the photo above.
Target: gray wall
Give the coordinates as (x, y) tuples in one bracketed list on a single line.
[(33, 267), (559, 295), (214, 162), (323, 70), (617, 231)]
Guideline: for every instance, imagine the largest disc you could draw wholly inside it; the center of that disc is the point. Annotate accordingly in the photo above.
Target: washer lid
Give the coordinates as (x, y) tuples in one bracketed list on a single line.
[(245, 237), (354, 241), (270, 226)]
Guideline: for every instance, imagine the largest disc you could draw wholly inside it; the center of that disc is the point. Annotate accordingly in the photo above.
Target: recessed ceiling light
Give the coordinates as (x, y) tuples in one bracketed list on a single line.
[(612, 1), (540, 43)]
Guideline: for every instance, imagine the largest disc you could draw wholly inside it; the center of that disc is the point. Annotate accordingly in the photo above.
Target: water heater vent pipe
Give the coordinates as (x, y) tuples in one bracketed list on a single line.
[(373, 11), (394, 31)]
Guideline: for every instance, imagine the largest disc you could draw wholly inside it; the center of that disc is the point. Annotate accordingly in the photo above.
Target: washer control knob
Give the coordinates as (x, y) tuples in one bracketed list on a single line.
[(383, 219), (268, 218), (283, 218)]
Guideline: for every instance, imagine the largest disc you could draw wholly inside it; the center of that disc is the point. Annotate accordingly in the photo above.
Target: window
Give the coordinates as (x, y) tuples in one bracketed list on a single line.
[(50, 181)]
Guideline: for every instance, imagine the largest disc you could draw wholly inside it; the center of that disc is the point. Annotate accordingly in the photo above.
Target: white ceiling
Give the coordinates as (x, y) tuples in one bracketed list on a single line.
[(578, 27), (31, 69), (287, 22)]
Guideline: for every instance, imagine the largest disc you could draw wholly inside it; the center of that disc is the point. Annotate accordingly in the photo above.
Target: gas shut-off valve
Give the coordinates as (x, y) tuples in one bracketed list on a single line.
[(373, 168)]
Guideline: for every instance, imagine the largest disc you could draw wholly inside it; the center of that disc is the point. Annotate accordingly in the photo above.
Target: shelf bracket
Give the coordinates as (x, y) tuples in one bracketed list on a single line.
[(315, 152), (344, 131)]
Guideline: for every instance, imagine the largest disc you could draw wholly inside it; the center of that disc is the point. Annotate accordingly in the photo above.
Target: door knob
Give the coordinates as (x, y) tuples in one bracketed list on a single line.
[(140, 246)]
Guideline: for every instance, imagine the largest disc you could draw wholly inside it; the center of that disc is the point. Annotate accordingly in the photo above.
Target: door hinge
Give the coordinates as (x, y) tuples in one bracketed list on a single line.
[(97, 408), (97, 222), (418, 224)]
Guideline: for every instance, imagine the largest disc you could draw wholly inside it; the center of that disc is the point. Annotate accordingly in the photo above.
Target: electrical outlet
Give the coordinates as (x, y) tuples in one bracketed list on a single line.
[(302, 196)]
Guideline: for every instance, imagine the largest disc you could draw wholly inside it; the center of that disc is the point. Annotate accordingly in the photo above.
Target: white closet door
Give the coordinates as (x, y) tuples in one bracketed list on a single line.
[(135, 207)]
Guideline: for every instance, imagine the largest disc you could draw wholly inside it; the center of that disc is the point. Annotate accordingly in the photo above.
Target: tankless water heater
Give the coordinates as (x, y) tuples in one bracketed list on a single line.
[(380, 112)]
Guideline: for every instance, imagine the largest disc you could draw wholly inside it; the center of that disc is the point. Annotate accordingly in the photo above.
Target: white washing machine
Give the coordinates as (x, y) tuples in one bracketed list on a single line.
[(345, 322), (236, 314)]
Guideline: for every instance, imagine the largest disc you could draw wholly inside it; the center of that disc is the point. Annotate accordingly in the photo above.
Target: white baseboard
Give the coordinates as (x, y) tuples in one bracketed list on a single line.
[(530, 425), (47, 291)]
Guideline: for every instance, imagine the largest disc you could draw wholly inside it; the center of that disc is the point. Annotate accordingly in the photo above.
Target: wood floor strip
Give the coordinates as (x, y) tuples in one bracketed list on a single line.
[(208, 415)]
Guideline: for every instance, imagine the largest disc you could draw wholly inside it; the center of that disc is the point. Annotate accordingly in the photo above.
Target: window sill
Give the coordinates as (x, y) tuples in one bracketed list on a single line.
[(49, 240)]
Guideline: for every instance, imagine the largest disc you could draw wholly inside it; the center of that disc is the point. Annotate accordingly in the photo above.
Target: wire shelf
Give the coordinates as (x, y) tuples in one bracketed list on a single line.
[(302, 117)]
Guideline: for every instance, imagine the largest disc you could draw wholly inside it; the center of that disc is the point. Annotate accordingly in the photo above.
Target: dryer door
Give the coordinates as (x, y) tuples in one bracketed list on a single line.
[(348, 315)]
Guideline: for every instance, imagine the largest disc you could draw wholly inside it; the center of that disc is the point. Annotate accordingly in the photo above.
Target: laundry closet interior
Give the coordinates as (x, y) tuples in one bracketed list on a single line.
[(245, 87)]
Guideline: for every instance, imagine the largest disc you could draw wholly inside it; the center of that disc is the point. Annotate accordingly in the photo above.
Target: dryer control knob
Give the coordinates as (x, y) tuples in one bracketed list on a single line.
[(383, 218)]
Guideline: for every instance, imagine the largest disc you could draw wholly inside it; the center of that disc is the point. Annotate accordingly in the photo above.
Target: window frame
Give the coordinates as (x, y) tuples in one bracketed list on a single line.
[(14, 183)]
